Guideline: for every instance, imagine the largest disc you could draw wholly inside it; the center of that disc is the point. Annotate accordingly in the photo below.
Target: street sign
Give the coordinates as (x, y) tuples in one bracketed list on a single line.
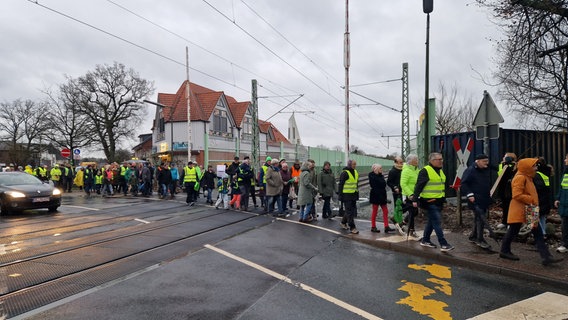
[(462, 157), (77, 151), (491, 131), (487, 113), (65, 153)]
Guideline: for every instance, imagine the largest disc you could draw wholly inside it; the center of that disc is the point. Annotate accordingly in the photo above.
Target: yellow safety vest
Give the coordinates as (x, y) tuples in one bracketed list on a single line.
[(564, 183), (122, 171), (545, 178), (99, 179), (264, 168), (55, 174), (190, 174), (350, 185), (435, 188)]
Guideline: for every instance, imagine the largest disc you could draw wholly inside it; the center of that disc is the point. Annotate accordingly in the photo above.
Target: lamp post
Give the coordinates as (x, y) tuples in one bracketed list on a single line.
[(427, 7)]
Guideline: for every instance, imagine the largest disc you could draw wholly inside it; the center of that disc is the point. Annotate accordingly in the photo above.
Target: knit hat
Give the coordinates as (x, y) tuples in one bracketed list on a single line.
[(481, 156)]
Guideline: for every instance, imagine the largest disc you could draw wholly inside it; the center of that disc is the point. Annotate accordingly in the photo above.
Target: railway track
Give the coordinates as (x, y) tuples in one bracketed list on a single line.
[(45, 273)]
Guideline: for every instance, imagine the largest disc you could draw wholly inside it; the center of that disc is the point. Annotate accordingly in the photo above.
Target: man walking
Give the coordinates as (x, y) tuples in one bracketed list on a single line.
[(476, 184), (189, 178), (348, 188), (430, 187)]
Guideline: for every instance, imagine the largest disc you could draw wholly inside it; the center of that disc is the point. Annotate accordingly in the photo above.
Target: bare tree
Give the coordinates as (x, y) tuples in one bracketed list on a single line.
[(69, 127), (109, 97), (22, 125), (532, 61), (454, 111)]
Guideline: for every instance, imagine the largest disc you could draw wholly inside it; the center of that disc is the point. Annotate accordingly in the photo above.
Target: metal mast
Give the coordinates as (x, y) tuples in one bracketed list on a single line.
[(346, 63), (255, 132), (405, 112), (188, 106)]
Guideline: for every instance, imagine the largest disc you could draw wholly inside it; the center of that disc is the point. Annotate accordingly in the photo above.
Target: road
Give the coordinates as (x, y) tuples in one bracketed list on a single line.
[(137, 258)]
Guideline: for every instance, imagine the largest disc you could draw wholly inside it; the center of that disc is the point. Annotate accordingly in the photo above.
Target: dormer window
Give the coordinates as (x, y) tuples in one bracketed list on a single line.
[(220, 121)]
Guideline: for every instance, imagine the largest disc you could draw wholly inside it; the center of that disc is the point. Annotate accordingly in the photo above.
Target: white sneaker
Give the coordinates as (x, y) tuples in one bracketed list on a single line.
[(501, 226), (562, 249)]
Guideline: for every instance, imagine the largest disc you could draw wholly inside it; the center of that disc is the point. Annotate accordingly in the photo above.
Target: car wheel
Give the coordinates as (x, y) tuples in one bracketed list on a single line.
[(3, 208), (52, 209)]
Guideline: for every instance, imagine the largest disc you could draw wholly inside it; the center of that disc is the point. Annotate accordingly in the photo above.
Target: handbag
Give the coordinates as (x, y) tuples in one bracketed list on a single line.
[(532, 212)]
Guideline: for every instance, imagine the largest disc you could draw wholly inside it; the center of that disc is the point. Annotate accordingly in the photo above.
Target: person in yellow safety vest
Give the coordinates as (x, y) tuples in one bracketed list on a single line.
[(98, 181), (122, 183), (542, 184), (431, 186), (55, 175), (190, 178), (41, 173), (262, 183), (348, 189), (29, 170), (561, 203)]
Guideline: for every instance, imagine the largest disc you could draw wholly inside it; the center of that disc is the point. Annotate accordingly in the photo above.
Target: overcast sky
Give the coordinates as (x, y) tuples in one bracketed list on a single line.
[(291, 47)]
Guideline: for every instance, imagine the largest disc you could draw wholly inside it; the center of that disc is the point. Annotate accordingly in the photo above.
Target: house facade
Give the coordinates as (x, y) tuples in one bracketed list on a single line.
[(221, 128)]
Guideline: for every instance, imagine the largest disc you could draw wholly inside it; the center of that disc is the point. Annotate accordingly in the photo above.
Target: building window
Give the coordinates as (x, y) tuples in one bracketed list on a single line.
[(247, 126), (220, 121)]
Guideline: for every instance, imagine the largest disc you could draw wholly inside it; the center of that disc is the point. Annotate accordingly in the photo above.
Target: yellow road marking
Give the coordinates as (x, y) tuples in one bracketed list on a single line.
[(418, 293)]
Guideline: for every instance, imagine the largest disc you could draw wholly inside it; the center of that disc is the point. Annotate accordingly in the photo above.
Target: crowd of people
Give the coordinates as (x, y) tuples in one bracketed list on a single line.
[(521, 184)]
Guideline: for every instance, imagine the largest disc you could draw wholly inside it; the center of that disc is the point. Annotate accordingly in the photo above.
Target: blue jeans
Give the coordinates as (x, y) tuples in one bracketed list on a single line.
[(305, 211), (434, 223), (163, 190), (278, 200), (209, 192)]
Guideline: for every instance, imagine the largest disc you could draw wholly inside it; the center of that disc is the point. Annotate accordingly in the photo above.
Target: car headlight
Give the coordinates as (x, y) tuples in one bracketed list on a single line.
[(15, 194), (56, 192)]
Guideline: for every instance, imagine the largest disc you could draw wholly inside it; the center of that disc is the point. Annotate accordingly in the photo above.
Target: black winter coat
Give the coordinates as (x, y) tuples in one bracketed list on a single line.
[(477, 181), (378, 185)]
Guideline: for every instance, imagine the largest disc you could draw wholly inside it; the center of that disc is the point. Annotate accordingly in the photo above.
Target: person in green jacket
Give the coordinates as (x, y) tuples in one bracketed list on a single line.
[(408, 178)]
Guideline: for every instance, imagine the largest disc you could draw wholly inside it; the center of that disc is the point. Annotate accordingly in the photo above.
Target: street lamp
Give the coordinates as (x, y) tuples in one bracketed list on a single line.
[(427, 7)]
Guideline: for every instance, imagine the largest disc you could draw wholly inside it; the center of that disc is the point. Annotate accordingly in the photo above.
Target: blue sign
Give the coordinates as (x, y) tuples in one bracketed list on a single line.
[(77, 151)]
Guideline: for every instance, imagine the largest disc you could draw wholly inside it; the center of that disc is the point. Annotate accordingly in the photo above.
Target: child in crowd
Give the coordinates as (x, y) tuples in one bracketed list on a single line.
[(236, 192), (223, 187)]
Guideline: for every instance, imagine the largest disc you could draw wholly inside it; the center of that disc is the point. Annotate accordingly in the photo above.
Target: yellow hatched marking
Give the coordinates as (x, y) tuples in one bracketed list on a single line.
[(418, 293)]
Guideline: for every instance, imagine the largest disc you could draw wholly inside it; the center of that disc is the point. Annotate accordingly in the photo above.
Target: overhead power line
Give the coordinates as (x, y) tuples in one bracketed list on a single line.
[(134, 44), (272, 51)]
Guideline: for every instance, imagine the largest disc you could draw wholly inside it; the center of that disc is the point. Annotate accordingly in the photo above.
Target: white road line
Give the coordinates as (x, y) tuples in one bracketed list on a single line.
[(309, 225), (80, 207), (300, 285), (143, 221)]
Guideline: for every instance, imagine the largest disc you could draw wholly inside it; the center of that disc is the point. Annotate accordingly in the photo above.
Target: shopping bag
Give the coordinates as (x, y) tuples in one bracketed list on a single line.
[(292, 194)]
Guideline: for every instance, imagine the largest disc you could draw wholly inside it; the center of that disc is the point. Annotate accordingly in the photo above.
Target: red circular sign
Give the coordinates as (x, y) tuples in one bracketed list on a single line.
[(65, 153)]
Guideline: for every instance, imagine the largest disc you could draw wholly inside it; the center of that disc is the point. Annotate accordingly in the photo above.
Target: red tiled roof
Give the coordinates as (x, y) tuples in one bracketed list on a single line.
[(238, 110), (203, 102)]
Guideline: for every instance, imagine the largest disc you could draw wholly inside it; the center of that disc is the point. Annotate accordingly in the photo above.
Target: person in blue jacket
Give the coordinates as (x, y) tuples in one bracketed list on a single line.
[(476, 184)]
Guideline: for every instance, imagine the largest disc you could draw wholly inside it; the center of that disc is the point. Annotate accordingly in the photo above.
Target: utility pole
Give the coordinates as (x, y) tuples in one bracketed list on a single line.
[(405, 137), (188, 91), (255, 131), (428, 7), (346, 63)]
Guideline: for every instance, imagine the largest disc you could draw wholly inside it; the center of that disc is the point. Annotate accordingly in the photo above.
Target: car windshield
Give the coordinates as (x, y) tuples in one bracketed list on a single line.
[(12, 179)]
